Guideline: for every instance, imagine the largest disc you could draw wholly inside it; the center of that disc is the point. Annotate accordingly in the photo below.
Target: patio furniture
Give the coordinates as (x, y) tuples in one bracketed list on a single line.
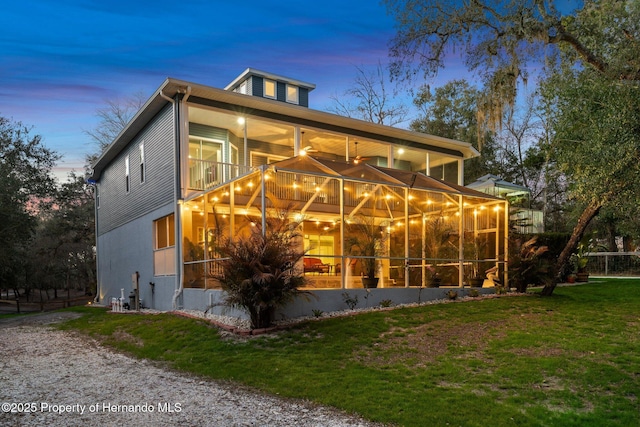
[(315, 265)]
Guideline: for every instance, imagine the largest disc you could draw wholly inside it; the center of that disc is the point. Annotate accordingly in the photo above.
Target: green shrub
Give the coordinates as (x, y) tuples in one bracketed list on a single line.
[(259, 270), (349, 300)]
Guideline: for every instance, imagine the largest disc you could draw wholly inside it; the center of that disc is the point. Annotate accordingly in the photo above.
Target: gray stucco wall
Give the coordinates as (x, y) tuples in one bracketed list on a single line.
[(127, 249), (325, 300)]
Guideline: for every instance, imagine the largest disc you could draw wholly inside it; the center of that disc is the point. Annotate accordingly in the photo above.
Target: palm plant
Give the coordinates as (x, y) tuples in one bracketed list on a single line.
[(437, 234), (474, 251), (260, 270), (527, 266), (369, 241)]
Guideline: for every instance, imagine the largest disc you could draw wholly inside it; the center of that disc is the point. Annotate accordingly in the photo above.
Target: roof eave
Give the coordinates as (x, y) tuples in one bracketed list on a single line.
[(170, 87), (253, 71), (150, 108)]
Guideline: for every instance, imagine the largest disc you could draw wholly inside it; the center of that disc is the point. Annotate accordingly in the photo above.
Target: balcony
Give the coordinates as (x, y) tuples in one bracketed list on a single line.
[(204, 174)]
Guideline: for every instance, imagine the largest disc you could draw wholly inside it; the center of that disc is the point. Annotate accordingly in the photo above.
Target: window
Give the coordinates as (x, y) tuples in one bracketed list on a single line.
[(243, 88), (269, 89), (205, 157), (292, 94), (164, 229), (164, 254), (142, 172), (126, 174)]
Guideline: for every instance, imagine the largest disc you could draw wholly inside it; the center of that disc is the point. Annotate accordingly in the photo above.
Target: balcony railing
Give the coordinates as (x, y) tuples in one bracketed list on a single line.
[(204, 174)]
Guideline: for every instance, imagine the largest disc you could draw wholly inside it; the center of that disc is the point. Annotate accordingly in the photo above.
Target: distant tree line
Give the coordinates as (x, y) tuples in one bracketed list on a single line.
[(46, 228)]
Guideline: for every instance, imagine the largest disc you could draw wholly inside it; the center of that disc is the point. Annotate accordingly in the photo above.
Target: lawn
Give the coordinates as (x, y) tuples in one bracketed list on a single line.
[(572, 359)]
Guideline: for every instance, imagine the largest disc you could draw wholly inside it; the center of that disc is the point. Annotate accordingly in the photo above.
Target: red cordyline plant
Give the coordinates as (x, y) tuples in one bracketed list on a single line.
[(261, 271)]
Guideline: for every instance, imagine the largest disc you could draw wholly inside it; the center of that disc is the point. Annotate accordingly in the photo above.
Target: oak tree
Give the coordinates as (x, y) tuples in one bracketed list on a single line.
[(25, 185), (597, 52)]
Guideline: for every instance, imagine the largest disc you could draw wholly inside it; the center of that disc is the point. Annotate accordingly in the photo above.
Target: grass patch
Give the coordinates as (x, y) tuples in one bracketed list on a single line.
[(8, 315), (572, 359)]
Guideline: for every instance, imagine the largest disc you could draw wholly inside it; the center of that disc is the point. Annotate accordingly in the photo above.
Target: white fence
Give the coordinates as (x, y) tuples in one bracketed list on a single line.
[(614, 263)]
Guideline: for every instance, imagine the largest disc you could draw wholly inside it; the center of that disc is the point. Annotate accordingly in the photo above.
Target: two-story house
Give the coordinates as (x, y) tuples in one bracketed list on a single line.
[(197, 165)]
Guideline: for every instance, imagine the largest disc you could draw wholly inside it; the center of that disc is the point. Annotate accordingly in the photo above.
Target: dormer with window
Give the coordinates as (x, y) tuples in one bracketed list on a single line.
[(271, 86)]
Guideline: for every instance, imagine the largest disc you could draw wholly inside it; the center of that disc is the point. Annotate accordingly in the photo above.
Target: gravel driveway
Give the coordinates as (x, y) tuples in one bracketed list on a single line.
[(56, 378)]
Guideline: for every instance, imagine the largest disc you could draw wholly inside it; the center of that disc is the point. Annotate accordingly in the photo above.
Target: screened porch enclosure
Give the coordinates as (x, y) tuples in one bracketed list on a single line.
[(424, 228)]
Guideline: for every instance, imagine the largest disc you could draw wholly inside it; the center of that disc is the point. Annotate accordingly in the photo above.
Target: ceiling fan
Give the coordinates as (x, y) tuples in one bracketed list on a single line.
[(357, 159), (308, 149)]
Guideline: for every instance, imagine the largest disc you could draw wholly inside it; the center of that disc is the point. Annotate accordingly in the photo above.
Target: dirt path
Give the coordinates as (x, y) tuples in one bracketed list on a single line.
[(57, 378)]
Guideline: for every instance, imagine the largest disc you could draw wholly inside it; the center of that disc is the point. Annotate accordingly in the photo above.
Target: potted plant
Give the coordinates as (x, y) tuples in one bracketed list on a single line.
[(572, 268), (437, 234), (579, 261), (474, 251), (367, 241)]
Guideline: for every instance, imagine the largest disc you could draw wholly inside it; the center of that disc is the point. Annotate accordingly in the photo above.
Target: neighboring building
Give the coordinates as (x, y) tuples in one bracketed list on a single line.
[(198, 164), (524, 219)]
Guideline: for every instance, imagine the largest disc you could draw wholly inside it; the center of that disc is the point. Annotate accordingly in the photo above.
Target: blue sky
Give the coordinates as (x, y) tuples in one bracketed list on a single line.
[(60, 61)]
